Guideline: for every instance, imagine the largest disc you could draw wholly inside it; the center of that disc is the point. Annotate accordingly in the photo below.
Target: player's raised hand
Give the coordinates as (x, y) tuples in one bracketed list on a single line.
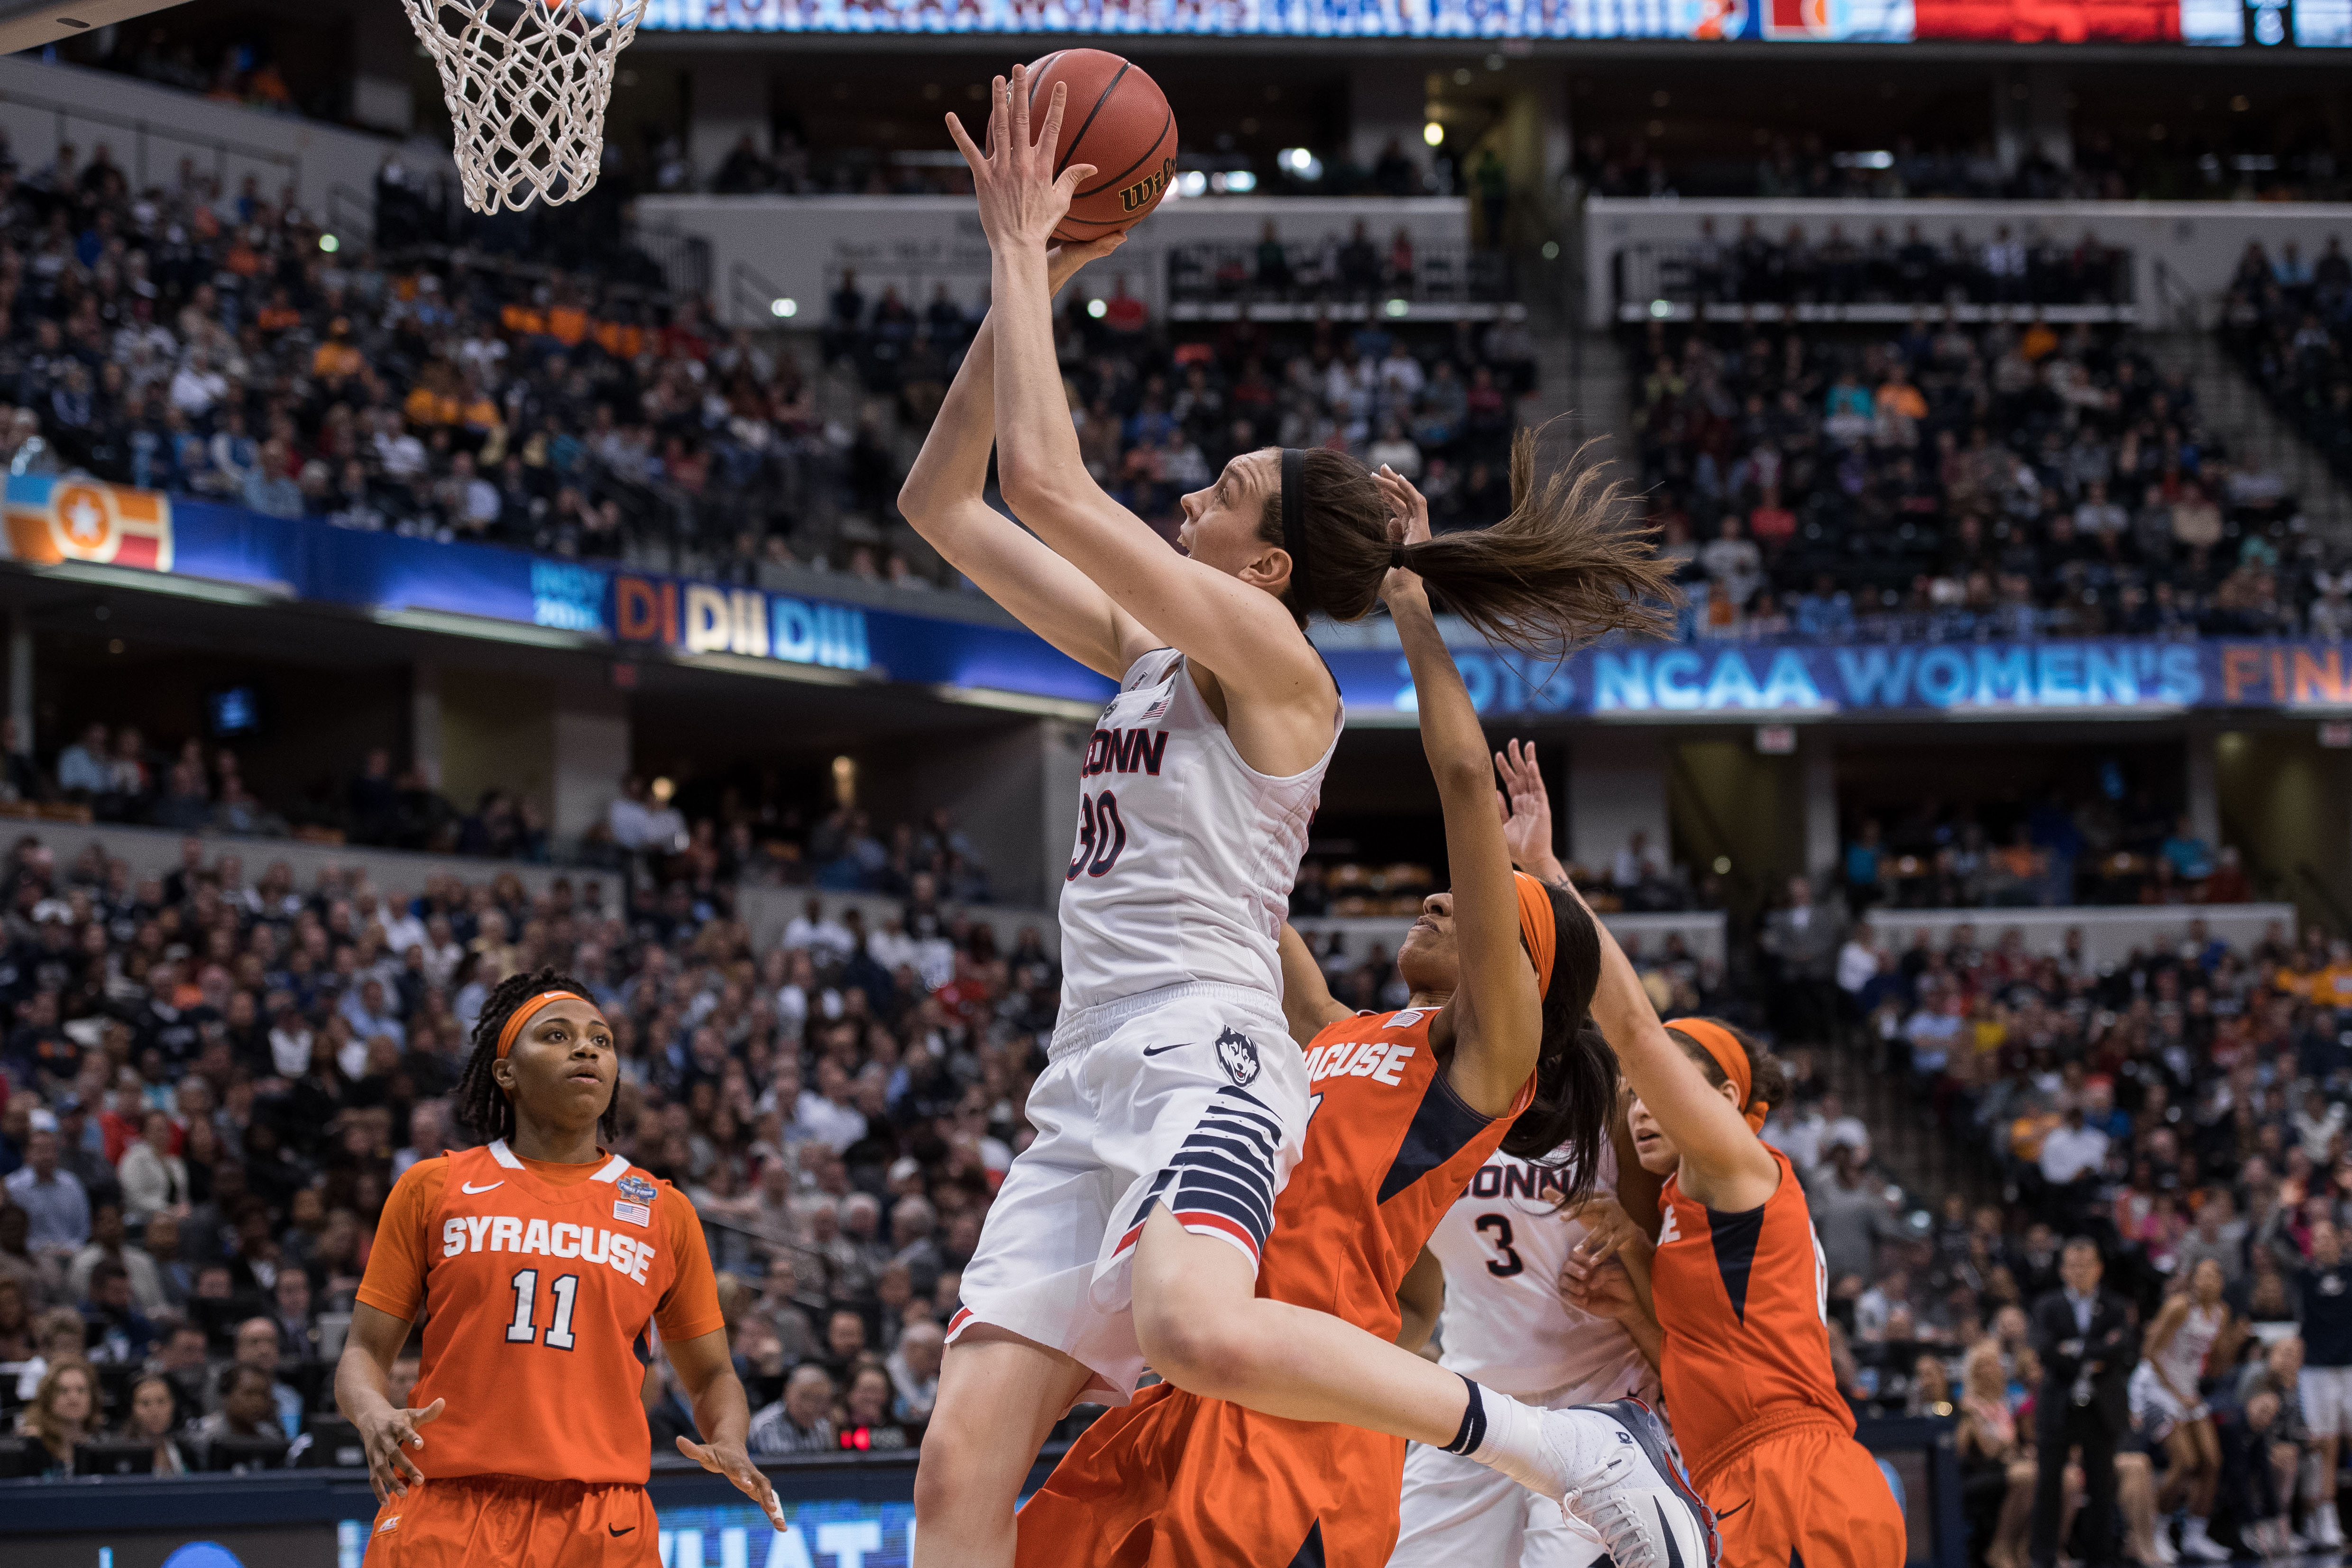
[(1020, 195), (1407, 524), (1527, 811), (387, 1438), (729, 1460)]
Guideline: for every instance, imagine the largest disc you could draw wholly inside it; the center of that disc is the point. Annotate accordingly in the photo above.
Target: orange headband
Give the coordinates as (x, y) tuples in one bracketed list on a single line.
[(1723, 1046), (1537, 926), (512, 1030)]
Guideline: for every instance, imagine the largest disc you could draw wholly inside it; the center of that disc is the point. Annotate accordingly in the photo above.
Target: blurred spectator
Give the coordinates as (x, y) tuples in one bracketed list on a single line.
[(62, 1413), (154, 1419), (258, 1348), (248, 1408), (801, 1421), (54, 1202)]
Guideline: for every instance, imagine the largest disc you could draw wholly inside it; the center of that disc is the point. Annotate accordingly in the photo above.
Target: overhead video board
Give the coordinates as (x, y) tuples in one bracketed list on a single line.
[(2258, 24)]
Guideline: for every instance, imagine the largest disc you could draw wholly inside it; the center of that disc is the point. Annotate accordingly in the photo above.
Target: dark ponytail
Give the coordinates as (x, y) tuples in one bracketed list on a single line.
[(1565, 567), (1567, 1123), (483, 1108)]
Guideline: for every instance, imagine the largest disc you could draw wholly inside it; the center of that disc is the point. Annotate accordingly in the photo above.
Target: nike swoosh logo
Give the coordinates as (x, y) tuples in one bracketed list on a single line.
[(1156, 1050), (616, 1530), (1674, 1548), (470, 1186), (1727, 1512)]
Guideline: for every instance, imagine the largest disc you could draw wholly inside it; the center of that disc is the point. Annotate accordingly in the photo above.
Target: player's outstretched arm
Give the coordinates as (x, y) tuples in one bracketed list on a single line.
[(1724, 1165), (1307, 1004), (1497, 1015), (941, 499), (363, 1394), (1230, 626), (722, 1416)]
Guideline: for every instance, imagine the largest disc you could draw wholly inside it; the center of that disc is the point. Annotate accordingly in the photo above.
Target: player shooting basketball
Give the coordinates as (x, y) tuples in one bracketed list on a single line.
[(1172, 1106)]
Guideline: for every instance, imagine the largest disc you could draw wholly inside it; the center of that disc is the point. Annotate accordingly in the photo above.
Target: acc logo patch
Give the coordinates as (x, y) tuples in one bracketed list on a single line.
[(635, 1188), (1237, 1054)]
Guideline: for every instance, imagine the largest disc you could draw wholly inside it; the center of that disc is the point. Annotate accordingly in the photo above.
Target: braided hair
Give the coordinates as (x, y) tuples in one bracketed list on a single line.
[(482, 1107)]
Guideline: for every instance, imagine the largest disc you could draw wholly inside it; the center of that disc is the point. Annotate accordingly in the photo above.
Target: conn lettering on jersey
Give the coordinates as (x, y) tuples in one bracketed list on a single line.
[(1519, 1180), (1124, 751), (626, 1255)]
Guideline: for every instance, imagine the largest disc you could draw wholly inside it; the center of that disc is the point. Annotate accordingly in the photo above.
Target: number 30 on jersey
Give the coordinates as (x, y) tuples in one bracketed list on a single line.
[(1102, 835)]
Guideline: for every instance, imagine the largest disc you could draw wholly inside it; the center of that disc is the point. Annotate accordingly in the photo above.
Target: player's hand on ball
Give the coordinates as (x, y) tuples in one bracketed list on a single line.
[(1062, 262), (729, 1460), (387, 1438), (1021, 197)]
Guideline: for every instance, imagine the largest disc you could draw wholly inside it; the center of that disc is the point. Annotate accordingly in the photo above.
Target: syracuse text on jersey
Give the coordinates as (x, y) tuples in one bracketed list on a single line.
[(626, 1255)]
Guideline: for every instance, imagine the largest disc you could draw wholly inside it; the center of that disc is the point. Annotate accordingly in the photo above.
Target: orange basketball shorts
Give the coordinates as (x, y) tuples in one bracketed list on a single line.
[(465, 1521), (1175, 1482), (1810, 1497)]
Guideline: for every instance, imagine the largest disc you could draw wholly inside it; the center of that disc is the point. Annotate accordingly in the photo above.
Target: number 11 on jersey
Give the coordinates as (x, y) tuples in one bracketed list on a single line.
[(523, 1330)]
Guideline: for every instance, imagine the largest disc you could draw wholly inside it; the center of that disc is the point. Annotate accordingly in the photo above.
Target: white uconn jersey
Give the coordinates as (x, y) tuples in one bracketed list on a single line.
[(1185, 853), (1502, 1245)]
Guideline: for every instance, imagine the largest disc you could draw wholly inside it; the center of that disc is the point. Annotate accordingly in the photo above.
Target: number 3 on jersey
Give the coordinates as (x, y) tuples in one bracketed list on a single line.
[(1496, 1229), (1101, 835)]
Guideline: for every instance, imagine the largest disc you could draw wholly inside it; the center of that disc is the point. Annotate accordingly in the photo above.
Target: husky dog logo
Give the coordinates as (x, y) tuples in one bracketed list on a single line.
[(1237, 1054)]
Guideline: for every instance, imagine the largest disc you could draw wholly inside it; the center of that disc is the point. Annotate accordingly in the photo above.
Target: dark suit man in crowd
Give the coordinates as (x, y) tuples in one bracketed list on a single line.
[(2089, 1340)]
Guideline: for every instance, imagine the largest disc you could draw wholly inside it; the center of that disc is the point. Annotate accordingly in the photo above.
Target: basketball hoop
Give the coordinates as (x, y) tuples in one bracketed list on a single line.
[(527, 82)]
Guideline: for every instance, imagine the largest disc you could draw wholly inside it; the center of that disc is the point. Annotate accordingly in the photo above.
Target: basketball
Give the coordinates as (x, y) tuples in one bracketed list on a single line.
[(1118, 119)]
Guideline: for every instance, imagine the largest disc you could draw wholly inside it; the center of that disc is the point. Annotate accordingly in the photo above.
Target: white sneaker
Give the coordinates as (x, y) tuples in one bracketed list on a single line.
[(1618, 1475), (2196, 1546), (2166, 1557), (2326, 1526)]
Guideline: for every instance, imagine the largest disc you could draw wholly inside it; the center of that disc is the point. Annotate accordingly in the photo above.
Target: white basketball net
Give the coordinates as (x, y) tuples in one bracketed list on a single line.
[(527, 82)]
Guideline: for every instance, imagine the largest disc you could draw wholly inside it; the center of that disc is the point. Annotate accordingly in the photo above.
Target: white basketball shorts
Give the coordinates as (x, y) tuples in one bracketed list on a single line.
[(2155, 1409), (1193, 1097), (2326, 1397)]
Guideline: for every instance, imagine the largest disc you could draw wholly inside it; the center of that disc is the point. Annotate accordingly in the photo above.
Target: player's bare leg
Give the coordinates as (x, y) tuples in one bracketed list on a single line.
[(1203, 1326), (999, 1395)]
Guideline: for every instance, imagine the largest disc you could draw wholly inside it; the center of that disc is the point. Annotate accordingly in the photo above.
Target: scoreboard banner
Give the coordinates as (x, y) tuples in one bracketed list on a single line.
[(2256, 23), (61, 524)]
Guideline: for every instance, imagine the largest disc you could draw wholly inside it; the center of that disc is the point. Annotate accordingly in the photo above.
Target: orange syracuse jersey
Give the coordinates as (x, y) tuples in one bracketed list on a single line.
[(1389, 1147), (539, 1283), (1743, 1300)]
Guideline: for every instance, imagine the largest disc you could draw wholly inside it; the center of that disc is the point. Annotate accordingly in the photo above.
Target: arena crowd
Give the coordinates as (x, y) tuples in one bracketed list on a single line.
[(1948, 481), (210, 1084)]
